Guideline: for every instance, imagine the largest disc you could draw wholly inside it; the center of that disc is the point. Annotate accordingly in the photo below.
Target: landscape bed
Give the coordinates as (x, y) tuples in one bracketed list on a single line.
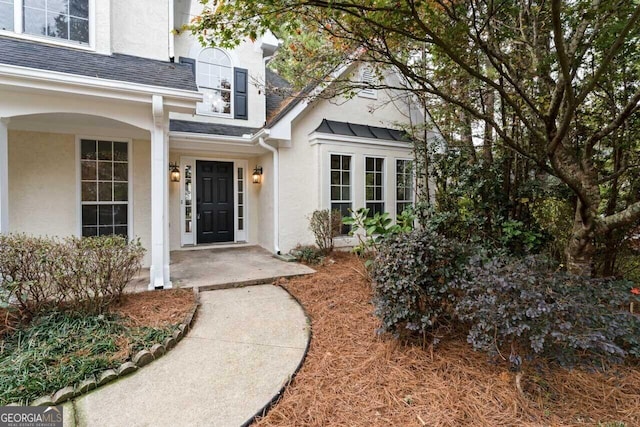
[(57, 350), (352, 376)]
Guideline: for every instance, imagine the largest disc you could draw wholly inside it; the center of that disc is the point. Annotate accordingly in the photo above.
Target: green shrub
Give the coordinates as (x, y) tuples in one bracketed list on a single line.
[(374, 229), (85, 274), (527, 307), (412, 275), (308, 253), (325, 226)]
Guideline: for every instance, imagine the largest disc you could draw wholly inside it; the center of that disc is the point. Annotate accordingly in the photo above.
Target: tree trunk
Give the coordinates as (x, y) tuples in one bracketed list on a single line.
[(580, 249)]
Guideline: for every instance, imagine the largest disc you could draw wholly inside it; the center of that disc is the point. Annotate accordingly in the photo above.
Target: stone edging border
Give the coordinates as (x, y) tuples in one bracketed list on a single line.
[(140, 359), (266, 408)]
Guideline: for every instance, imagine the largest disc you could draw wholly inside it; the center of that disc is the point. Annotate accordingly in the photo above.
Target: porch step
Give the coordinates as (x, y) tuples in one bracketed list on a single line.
[(285, 257)]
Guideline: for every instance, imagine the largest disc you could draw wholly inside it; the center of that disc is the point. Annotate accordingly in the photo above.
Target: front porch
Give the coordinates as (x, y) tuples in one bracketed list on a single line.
[(220, 268)]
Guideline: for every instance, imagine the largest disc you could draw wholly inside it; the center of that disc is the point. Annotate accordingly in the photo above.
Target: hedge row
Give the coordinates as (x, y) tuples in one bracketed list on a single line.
[(84, 274)]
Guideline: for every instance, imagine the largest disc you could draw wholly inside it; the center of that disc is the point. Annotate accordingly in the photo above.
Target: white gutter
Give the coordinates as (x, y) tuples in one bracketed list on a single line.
[(276, 197), (171, 35)]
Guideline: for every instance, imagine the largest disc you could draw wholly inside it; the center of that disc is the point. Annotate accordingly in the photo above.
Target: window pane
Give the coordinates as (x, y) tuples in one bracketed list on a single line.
[(6, 16), (79, 8), (120, 191), (79, 30), (120, 152), (335, 161), (240, 211), (89, 215), (240, 224), (120, 171), (120, 214), (88, 149), (40, 4), (335, 178), (346, 162), (105, 215), (346, 193), (104, 150), (105, 231), (105, 171), (346, 178), (57, 25), (89, 231), (105, 192), (35, 22), (89, 170), (89, 191), (335, 192), (58, 6), (369, 163), (240, 198), (121, 230)]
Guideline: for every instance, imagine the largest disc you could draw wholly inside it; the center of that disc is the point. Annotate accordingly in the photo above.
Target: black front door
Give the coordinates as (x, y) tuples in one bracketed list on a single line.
[(214, 189)]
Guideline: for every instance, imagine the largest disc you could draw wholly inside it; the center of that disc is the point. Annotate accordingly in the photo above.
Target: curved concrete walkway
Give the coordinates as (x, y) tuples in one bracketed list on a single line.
[(244, 346)]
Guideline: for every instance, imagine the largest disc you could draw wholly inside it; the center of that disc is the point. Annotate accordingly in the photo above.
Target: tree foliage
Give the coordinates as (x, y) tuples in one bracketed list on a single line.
[(551, 85)]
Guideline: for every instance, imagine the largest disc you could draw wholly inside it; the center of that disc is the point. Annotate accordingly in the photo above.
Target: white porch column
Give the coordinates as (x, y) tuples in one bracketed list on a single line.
[(159, 271), (4, 176)]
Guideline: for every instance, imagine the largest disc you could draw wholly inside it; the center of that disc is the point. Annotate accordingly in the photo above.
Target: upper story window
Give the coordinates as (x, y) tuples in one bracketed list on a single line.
[(6, 15), (65, 20), (214, 78)]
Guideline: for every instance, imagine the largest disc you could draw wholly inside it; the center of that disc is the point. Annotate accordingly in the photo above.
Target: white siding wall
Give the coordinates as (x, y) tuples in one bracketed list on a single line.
[(140, 28)]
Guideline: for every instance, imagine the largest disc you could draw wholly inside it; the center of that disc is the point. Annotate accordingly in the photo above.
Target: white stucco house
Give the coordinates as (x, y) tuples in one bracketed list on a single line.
[(101, 103)]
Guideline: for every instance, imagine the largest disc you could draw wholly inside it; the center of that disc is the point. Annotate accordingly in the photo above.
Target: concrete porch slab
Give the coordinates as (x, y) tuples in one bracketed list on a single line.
[(221, 268)]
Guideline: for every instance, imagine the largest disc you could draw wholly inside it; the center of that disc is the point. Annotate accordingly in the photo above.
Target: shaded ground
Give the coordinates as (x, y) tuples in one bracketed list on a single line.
[(353, 377)]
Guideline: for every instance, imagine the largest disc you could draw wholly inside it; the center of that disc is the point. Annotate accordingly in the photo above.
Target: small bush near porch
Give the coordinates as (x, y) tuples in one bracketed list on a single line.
[(83, 274), (63, 314)]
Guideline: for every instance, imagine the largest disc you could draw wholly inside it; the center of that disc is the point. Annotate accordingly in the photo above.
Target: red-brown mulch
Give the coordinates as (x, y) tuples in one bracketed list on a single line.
[(353, 377), (156, 308)]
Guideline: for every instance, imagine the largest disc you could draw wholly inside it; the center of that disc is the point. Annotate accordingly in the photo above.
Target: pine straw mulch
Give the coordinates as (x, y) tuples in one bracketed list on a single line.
[(156, 309), (352, 377)]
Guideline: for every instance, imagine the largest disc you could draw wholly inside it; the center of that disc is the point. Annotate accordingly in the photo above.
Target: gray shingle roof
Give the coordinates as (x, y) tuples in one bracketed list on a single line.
[(276, 91), (363, 131), (125, 68), (210, 128)]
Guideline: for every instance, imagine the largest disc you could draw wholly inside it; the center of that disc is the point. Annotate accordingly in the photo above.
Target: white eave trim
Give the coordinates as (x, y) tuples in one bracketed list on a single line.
[(32, 78), (205, 137), (330, 138)]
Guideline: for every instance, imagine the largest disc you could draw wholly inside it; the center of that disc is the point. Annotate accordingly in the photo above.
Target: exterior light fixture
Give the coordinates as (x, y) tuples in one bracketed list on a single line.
[(257, 175), (175, 172)]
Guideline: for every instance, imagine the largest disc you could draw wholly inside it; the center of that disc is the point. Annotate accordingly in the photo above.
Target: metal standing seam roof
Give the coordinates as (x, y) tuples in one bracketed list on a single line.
[(119, 67), (210, 128), (362, 131)]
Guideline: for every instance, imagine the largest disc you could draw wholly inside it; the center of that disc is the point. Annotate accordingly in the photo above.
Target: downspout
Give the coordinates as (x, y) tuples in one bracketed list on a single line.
[(276, 196), (171, 34)]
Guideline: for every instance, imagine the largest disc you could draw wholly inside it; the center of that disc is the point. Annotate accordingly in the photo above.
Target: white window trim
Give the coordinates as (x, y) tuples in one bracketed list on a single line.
[(199, 109), (330, 200), (130, 195), (413, 183), (18, 30), (384, 178), (191, 239)]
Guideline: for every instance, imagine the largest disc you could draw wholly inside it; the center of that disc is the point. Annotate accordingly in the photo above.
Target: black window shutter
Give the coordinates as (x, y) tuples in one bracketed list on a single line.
[(190, 62), (241, 106)]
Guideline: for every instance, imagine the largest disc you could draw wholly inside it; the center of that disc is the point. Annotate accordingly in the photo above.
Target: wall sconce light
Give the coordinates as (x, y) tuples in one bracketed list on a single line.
[(175, 172), (257, 175)]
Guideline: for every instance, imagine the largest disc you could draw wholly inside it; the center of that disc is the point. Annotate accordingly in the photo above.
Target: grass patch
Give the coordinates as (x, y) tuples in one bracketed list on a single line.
[(60, 349)]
